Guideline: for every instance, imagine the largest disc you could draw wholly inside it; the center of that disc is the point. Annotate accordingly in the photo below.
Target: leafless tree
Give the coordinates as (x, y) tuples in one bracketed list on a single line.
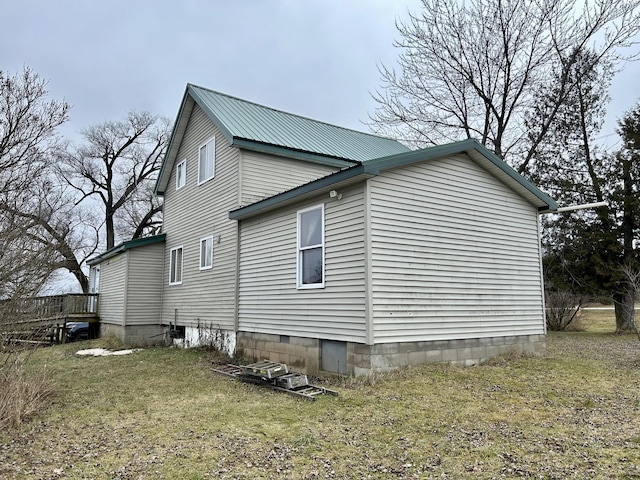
[(51, 222), (112, 167), (28, 123), (475, 69)]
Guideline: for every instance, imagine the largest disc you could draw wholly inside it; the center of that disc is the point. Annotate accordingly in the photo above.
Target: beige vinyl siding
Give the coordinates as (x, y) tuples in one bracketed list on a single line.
[(144, 284), (192, 213), (455, 254), (269, 301), (266, 175), (112, 289)]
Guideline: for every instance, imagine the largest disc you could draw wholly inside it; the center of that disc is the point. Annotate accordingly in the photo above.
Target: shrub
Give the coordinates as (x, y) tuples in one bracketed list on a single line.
[(562, 310)]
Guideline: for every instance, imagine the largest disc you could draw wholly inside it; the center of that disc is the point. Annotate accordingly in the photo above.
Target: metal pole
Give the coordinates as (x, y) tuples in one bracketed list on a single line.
[(583, 206)]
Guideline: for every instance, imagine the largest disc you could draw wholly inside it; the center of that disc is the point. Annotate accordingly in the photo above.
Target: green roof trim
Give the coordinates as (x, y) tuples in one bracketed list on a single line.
[(372, 168), (128, 245), (348, 175), (290, 153)]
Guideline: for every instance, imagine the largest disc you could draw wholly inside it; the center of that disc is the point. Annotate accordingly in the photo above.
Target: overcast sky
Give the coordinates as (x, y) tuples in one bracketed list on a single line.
[(316, 58)]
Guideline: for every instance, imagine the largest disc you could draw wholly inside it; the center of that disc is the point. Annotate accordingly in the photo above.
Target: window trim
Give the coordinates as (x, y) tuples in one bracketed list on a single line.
[(210, 266), (211, 141), (184, 178), (299, 249), (174, 249)]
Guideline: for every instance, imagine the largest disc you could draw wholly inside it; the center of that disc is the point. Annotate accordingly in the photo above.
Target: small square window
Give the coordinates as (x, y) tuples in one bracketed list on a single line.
[(181, 174), (175, 266), (206, 253), (207, 161)]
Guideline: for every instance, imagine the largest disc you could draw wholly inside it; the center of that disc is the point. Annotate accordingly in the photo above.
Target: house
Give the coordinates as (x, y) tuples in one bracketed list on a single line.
[(329, 249)]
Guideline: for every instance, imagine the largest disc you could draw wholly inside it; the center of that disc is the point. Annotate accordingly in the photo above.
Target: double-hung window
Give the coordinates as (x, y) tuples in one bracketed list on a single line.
[(311, 247), (207, 161), (175, 266), (181, 174), (206, 253)]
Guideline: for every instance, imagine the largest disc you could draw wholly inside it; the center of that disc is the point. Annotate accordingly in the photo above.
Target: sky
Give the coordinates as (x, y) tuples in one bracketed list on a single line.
[(316, 58)]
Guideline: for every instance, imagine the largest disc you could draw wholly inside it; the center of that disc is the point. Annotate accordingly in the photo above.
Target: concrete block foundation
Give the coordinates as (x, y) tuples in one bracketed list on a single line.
[(135, 335), (304, 354)]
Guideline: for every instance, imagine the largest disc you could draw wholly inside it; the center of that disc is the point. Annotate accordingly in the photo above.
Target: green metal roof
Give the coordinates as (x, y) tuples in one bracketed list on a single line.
[(128, 245), (474, 149), (240, 119), (255, 127)]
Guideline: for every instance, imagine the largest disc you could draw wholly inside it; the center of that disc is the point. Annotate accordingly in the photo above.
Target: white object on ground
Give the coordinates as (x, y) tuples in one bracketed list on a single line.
[(102, 352)]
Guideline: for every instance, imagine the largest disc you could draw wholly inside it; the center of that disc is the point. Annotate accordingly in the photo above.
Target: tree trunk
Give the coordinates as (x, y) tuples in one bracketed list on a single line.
[(110, 230), (624, 307)]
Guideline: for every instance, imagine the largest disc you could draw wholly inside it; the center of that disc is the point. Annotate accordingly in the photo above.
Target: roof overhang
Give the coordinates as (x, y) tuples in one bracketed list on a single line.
[(472, 148), (343, 178), (124, 246)]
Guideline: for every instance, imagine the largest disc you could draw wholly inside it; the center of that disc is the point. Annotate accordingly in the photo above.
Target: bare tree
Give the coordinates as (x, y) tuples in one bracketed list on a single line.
[(474, 69), (50, 221), (114, 164), (28, 123)]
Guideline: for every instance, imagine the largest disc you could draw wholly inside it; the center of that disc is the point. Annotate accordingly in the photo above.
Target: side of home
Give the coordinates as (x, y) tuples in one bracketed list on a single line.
[(434, 259)]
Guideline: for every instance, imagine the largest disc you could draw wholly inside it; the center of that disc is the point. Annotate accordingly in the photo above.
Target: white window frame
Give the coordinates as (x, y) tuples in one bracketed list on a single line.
[(181, 166), (209, 148), (204, 265), (173, 279), (301, 249)]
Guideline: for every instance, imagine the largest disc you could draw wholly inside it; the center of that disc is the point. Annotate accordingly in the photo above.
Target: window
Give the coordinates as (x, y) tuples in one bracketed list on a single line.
[(207, 161), (311, 247), (206, 253), (181, 174), (175, 266)]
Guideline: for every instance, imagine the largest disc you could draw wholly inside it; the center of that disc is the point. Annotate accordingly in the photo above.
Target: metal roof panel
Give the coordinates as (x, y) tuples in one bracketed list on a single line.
[(251, 121)]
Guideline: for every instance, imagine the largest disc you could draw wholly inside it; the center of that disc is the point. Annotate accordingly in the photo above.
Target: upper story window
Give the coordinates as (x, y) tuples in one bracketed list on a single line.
[(311, 247), (206, 253), (207, 161), (181, 174), (175, 266)]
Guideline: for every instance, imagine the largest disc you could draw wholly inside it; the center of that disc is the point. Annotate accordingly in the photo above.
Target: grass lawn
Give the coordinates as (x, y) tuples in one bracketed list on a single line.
[(162, 413)]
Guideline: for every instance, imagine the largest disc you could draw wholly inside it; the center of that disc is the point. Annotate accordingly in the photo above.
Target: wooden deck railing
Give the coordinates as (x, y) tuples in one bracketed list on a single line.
[(52, 307)]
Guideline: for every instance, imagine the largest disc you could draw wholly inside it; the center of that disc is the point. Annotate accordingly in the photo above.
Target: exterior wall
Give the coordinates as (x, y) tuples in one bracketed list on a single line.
[(269, 301), (304, 354), (113, 290), (266, 175), (454, 255), (144, 284), (194, 212)]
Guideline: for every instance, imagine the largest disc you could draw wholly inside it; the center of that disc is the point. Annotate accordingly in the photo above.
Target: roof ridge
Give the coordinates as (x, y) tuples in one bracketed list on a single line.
[(291, 114)]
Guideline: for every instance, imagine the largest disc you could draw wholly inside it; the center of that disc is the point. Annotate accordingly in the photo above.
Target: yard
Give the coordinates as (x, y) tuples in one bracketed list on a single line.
[(162, 413)]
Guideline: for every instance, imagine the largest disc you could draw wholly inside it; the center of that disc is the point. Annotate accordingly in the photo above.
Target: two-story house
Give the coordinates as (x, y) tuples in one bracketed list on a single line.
[(329, 249)]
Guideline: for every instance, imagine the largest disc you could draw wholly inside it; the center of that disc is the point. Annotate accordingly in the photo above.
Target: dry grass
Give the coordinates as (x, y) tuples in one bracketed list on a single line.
[(21, 395), (162, 413)]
